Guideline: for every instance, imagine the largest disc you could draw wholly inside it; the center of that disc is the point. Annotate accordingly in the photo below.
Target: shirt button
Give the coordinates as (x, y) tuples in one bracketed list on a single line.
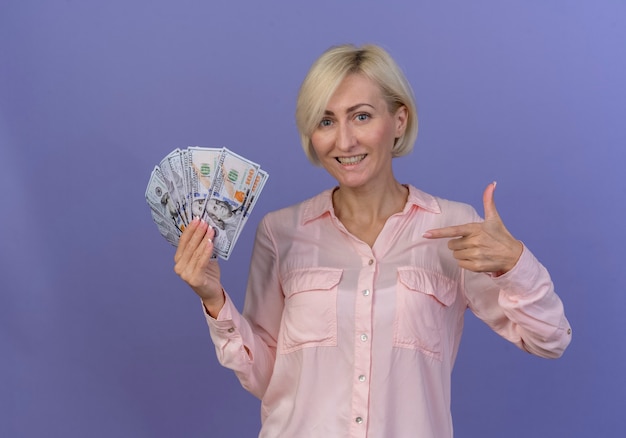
[(569, 331), (361, 378), (359, 420), (232, 329), (366, 292), (370, 262), (364, 337)]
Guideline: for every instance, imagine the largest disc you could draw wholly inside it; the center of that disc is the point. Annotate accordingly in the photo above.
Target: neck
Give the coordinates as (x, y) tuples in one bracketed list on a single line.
[(369, 204)]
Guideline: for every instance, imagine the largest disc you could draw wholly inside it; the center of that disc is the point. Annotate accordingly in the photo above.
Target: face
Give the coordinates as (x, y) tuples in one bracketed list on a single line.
[(356, 135), (218, 209), (197, 207)]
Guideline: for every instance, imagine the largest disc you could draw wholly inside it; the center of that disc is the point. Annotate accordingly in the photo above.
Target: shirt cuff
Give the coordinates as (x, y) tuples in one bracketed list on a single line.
[(225, 325), (527, 276)]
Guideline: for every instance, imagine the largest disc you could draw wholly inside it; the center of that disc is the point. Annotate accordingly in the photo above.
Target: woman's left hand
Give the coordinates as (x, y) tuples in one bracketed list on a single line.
[(482, 246)]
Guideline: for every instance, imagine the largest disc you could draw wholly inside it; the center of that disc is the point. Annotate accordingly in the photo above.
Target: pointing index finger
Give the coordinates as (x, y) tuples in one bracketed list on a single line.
[(447, 232)]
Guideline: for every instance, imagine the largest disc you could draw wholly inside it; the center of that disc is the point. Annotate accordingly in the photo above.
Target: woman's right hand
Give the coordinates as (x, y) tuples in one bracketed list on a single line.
[(194, 265)]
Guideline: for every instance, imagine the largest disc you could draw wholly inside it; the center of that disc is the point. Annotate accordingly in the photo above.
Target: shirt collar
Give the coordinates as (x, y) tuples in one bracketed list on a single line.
[(323, 204)]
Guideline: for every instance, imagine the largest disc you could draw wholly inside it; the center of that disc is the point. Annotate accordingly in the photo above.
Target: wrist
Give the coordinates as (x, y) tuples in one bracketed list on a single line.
[(212, 306), (513, 260)]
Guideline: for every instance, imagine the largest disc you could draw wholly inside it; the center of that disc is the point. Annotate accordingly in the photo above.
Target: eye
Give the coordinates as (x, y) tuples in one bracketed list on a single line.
[(362, 117), (325, 123)]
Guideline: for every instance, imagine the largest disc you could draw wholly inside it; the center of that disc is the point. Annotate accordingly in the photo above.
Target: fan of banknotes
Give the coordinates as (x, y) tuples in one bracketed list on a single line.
[(214, 184)]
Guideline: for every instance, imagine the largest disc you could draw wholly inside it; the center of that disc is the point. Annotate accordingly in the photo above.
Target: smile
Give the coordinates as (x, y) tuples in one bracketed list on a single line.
[(346, 161)]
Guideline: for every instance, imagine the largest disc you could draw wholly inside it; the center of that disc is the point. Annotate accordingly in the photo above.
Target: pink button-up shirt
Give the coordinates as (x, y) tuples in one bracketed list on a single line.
[(339, 339)]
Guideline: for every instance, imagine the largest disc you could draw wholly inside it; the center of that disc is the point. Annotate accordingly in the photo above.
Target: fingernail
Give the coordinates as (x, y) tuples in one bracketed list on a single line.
[(427, 235), (494, 184)]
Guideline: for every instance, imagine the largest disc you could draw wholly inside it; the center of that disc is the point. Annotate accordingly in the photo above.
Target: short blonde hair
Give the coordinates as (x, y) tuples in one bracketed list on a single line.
[(331, 68)]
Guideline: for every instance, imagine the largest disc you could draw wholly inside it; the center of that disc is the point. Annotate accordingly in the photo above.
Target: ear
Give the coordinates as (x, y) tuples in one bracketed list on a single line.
[(401, 116)]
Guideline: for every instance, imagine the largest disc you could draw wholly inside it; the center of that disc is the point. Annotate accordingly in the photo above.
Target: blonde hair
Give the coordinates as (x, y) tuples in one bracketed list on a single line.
[(331, 68)]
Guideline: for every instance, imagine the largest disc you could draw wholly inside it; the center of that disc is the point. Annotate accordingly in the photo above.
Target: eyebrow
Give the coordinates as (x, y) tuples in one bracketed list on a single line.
[(351, 109)]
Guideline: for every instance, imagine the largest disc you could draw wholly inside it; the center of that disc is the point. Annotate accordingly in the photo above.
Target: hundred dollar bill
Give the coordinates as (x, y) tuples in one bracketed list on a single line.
[(224, 207), (202, 165), (172, 169), (160, 201), (257, 187), (177, 167), (165, 227), (184, 156), (215, 184)]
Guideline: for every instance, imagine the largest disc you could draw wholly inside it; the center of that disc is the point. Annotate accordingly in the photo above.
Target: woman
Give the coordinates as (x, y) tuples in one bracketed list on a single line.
[(355, 300)]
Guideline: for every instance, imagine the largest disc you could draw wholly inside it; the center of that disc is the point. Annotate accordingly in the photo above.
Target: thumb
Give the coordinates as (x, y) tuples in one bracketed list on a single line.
[(489, 203)]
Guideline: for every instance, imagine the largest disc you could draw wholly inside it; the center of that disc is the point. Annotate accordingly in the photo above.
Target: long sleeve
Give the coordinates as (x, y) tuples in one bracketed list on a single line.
[(522, 307), (338, 338), (247, 343)]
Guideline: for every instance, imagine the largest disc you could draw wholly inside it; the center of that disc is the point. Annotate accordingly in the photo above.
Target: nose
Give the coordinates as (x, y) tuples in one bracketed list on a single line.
[(345, 137)]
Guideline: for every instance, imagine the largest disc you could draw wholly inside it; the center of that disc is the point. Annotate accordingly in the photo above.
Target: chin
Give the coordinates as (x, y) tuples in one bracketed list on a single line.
[(353, 183)]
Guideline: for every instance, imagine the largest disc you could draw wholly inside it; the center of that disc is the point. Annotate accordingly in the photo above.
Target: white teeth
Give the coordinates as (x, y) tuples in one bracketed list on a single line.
[(350, 160)]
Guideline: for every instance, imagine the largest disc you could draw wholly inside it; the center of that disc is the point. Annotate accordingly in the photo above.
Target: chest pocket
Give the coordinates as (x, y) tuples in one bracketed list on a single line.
[(423, 299), (310, 313)]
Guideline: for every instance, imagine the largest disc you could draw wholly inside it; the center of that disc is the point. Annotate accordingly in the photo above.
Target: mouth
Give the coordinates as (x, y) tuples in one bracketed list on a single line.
[(349, 161)]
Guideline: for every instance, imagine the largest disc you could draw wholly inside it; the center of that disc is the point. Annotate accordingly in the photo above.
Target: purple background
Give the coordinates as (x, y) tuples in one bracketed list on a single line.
[(99, 338)]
